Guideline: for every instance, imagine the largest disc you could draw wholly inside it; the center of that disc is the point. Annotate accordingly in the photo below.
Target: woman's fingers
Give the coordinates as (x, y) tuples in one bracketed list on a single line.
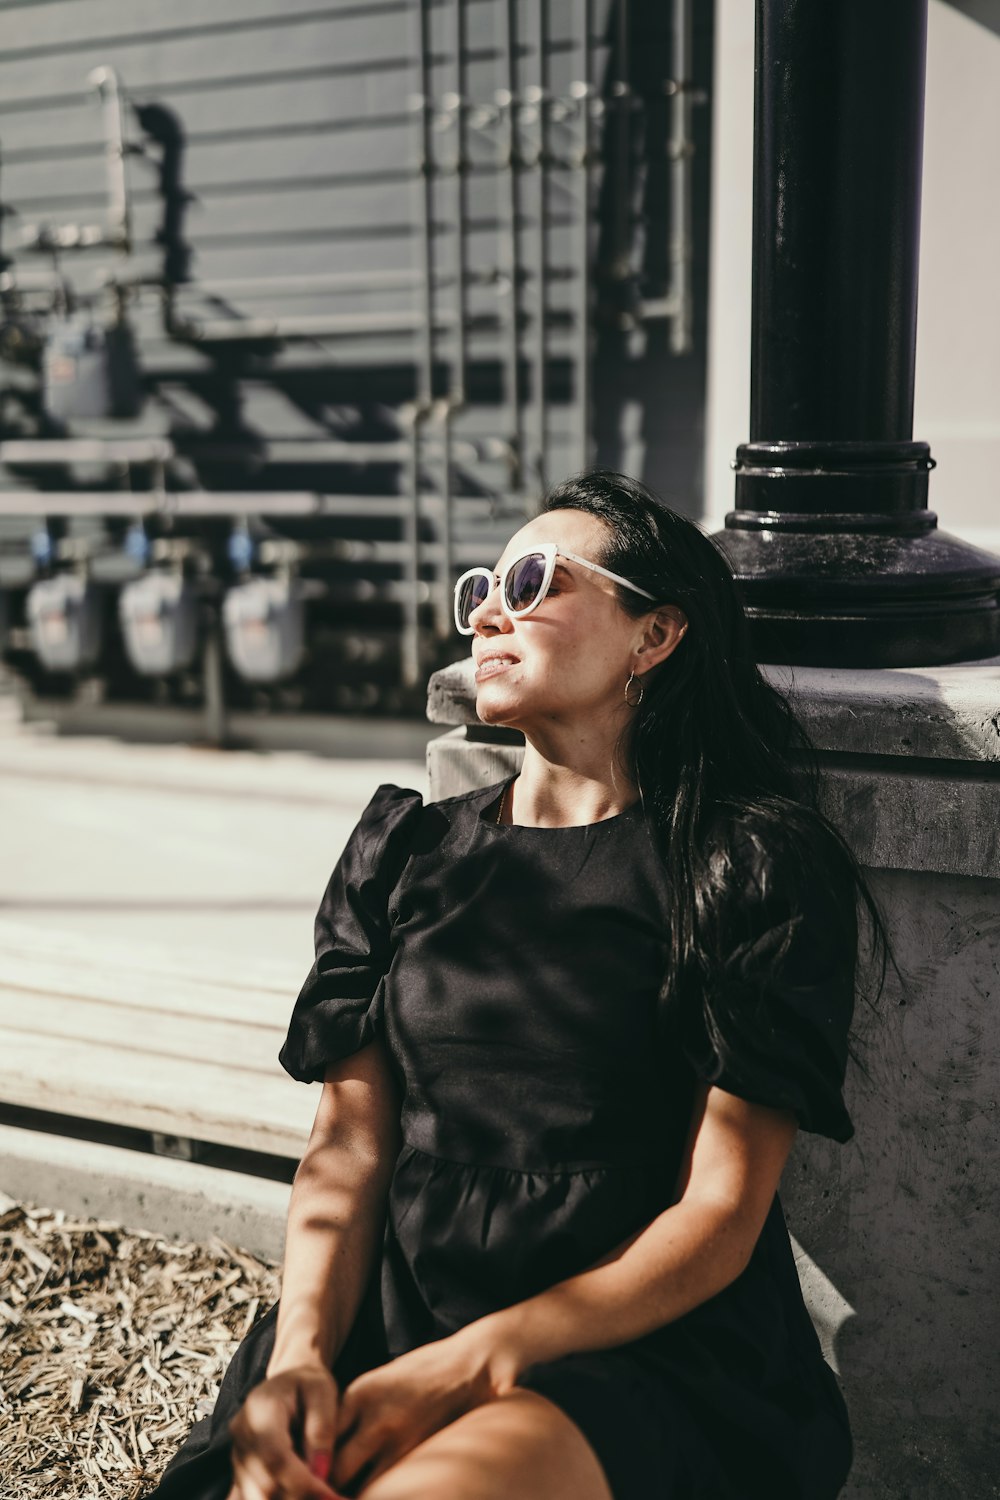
[(319, 1421), (266, 1465), (371, 1440), (348, 1410), (252, 1483), (272, 1477)]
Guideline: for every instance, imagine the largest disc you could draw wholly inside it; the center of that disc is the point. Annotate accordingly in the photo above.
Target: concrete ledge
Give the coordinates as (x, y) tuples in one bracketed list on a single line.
[(176, 1199), (941, 713), (458, 764), (938, 713), (893, 819), (911, 758)]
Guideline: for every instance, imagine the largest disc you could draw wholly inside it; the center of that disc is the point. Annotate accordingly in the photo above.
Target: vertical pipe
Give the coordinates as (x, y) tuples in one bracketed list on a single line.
[(581, 89), (213, 678), (679, 284), (5, 261), (411, 646), (446, 567), (622, 187), (507, 98), (541, 246), (461, 203), (425, 216), (456, 386), (105, 80)]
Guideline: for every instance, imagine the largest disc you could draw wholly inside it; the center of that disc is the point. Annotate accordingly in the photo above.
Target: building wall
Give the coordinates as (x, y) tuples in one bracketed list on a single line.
[(300, 148), (297, 159), (957, 399)]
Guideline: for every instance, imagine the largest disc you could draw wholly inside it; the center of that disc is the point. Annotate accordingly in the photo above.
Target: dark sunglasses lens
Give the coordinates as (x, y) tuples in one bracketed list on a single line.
[(524, 582), (471, 595)]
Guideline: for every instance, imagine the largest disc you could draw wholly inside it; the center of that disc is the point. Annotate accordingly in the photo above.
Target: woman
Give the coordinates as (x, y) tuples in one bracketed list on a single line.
[(567, 1027)]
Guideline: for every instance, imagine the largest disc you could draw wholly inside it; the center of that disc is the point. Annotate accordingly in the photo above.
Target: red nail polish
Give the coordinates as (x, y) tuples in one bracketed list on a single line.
[(319, 1465)]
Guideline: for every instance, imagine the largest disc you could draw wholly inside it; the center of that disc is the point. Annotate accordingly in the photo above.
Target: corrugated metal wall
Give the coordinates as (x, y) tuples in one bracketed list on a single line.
[(275, 176)]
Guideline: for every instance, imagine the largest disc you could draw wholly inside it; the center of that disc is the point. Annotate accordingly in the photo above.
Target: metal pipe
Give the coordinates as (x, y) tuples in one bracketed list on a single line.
[(425, 216), (410, 652), (581, 90), (213, 678), (677, 304), (105, 80), (350, 325), (541, 246), (79, 503), (461, 206), (456, 387), (5, 212), (411, 643), (326, 281), (508, 102), (55, 451), (455, 398), (445, 569), (621, 90), (680, 149), (237, 503), (86, 450), (27, 279)]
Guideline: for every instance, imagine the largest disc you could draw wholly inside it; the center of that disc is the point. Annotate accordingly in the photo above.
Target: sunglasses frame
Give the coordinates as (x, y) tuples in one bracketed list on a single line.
[(551, 551)]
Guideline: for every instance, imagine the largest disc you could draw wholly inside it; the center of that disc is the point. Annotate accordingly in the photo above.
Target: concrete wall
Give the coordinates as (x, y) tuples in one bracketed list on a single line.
[(895, 1234), (957, 401)]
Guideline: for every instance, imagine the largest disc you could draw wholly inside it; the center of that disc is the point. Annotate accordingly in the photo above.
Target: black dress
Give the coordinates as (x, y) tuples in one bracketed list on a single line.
[(513, 974)]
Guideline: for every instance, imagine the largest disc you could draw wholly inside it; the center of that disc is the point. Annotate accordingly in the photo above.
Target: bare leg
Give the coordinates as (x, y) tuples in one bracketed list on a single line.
[(521, 1444)]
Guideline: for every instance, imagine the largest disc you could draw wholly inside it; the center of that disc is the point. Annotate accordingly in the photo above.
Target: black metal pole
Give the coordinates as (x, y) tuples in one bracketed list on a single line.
[(840, 560)]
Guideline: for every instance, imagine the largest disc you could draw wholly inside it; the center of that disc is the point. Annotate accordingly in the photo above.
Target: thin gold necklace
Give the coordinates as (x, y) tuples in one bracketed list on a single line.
[(503, 799)]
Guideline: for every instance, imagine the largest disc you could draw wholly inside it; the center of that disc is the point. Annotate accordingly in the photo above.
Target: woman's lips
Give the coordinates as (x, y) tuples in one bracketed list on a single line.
[(491, 666)]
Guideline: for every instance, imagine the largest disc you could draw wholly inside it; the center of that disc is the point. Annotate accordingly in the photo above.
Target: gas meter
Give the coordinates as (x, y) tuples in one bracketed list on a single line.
[(264, 622), (89, 370), (159, 619), (64, 618)]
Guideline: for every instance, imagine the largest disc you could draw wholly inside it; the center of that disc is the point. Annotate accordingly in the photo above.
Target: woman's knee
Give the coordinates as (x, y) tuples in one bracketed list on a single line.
[(522, 1444)]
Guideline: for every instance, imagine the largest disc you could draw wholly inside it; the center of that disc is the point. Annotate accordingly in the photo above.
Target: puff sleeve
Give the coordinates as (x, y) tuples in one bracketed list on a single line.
[(775, 1014), (333, 1015)]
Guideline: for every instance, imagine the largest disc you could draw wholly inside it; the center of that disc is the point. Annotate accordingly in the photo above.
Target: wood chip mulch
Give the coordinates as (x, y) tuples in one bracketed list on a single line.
[(112, 1342)]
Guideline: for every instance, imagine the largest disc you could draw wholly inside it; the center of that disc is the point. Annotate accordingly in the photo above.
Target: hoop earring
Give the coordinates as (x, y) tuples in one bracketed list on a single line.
[(633, 702)]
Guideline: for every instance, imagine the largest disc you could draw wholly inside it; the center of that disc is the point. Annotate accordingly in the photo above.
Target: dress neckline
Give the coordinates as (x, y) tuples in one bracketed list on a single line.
[(488, 817)]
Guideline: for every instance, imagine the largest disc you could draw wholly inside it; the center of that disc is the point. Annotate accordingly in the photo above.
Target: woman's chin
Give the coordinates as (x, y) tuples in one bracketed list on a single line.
[(494, 706)]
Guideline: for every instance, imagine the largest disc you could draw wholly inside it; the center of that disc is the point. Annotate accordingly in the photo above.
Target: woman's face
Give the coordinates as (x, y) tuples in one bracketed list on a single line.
[(571, 657)]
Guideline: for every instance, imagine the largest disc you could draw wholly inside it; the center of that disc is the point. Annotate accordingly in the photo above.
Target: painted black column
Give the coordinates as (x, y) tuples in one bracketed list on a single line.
[(840, 560)]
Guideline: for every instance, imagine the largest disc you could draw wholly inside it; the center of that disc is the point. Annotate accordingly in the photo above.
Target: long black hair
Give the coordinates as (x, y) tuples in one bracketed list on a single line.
[(717, 752)]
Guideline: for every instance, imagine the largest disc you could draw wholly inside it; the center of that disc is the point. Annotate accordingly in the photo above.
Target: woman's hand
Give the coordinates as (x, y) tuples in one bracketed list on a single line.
[(266, 1460), (389, 1410)]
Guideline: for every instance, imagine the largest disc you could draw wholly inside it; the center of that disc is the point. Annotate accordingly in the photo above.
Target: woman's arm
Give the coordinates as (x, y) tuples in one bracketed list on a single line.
[(688, 1253), (733, 1162), (283, 1435), (337, 1210)]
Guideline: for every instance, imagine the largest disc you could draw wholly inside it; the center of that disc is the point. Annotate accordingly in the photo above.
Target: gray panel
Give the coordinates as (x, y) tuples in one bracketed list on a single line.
[(63, 27), (190, 60)]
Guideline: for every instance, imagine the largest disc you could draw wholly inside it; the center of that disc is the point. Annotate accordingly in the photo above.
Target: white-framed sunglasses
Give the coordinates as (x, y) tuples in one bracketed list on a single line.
[(524, 584)]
